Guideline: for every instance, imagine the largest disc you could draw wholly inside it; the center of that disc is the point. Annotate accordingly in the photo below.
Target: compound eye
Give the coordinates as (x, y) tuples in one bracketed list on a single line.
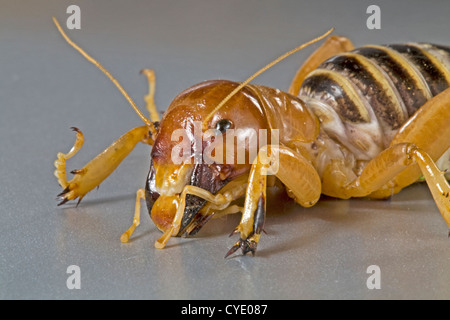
[(223, 125)]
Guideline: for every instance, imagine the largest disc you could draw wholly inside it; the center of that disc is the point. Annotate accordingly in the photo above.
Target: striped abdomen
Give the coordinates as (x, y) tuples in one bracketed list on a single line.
[(364, 96)]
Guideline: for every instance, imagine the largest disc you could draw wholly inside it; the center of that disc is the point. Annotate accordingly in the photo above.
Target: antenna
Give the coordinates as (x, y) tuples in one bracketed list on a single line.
[(274, 62), (106, 72)]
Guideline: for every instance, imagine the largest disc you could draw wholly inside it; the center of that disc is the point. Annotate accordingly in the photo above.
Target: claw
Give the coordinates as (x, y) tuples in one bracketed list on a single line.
[(78, 171), (247, 245), (250, 233), (232, 250), (198, 223), (64, 200), (79, 200), (68, 194), (236, 230), (75, 129), (60, 164), (66, 190), (62, 196)]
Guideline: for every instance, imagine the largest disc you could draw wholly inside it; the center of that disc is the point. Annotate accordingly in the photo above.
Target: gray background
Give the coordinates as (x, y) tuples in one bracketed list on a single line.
[(46, 87)]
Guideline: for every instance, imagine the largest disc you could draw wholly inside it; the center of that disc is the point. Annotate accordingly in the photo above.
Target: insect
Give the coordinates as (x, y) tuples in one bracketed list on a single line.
[(361, 122)]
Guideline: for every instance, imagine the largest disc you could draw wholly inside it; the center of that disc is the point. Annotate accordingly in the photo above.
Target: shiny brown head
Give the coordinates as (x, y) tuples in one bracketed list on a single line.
[(187, 153)]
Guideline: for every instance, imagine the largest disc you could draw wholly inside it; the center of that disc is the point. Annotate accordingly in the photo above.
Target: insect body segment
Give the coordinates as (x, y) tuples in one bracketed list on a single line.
[(373, 91), (367, 122), (371, 100)]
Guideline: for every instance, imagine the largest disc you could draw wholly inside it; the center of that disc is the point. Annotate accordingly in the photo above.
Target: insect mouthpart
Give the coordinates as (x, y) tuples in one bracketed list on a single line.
[(208, 178), (164, 193)]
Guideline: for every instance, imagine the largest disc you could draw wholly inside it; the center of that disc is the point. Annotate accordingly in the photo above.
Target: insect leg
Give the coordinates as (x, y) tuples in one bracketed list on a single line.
[(218, 199), (381, 173), (428, 129), (99, 168), (140, 194), (331, 47), (150, 97), (294, 171), (234, 190), (200, 220), (60, 162)]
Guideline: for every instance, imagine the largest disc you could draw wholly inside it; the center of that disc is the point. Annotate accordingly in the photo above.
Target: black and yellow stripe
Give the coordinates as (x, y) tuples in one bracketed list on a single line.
[(342, 95), (429, 66), (394, 81), (409, 83)]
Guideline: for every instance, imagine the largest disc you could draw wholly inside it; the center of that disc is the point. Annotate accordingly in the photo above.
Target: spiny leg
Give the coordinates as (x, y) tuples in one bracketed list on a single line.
[(140, 194), (331, 47), (99, 168), (253, 215), (150, 97), (382, 172), (293, 170), (60, 163), (428, 129)]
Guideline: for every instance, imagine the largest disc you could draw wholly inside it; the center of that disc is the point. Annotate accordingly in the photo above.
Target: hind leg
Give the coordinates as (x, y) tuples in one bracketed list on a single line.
[(429, 128), (331, 47), (413, 152), (382, 175)]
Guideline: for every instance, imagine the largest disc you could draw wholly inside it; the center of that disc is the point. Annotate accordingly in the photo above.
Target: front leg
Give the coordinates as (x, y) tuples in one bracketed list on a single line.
[(99, 168), (295, 172), (150, 97), (252, 221)]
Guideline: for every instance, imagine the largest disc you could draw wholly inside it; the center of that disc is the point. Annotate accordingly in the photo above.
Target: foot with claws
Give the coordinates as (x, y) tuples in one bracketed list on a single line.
[(247, 245), (69, 192), (250, 228), (99, 168)]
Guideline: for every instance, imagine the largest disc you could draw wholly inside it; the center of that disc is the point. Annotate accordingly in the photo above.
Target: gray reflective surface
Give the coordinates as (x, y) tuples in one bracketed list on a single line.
[(45, 88)]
